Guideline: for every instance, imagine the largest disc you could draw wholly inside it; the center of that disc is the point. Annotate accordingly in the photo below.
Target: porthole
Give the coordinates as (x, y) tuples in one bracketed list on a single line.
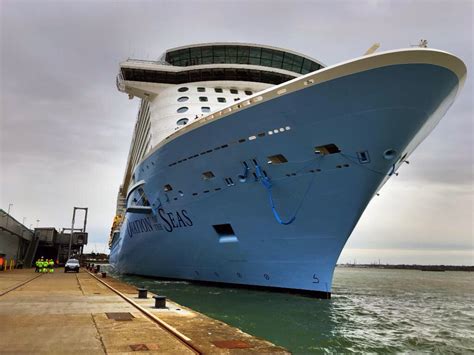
[(205, 109), (221, 99), (203, 98), (182, 109), (389, 154), (183, 89), (201, 89), (248, 92), (183, 99), (218, 90), (182, 121), (234, 91)]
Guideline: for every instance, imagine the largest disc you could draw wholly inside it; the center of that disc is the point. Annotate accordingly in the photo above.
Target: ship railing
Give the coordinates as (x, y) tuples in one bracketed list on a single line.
[(145, 61)]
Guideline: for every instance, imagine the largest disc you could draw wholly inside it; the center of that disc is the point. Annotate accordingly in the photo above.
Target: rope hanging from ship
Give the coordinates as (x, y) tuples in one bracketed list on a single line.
[(266, 182)]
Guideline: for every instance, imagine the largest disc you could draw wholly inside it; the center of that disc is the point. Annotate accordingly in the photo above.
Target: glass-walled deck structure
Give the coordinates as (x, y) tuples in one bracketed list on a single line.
[(241, 54)]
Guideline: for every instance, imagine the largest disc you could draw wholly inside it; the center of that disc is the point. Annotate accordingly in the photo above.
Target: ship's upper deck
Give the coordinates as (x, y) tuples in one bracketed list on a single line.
[(216, 62), (239, 53)]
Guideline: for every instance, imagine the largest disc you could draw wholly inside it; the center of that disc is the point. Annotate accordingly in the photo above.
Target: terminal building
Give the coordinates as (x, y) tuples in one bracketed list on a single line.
[(15, 238), (20, 246)]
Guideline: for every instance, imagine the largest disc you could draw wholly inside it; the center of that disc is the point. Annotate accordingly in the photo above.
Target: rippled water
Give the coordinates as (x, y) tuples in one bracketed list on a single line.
[(371, 310)]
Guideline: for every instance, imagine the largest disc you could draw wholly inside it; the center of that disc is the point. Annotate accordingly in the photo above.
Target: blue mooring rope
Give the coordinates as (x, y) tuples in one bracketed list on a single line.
[(266, 182)]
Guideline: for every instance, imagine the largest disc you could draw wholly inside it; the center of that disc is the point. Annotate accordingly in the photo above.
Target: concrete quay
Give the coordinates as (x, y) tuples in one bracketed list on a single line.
[(61, 313)]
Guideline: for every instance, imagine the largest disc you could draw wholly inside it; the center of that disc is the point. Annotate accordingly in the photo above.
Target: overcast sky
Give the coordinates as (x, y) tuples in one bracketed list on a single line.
[(65, 129)]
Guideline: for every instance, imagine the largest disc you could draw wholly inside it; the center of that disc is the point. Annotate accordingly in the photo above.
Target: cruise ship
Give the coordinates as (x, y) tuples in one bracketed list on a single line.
[(251, 165)]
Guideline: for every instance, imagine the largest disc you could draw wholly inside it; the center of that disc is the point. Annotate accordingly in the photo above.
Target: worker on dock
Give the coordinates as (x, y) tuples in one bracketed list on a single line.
[(51, 265), (42, 265), (37, 265)]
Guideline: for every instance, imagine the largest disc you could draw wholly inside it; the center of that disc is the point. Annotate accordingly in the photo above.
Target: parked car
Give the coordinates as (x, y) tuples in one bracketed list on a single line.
[(72, 265)]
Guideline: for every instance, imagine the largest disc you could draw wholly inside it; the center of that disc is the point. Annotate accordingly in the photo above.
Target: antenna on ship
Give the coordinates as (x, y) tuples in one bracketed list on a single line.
[(422, 44), (372, 49)]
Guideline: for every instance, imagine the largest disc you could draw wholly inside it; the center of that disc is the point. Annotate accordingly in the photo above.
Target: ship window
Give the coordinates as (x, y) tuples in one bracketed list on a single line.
[(201, 89), (183, 89), (203, 98), (182, 121), (143, 201), (363, 157), (326, 149), (234, 91), (221, 99), (167, 188), (277, 159), (182, 109), (248, 92), (183, 99), (218, 90), (223, 229), (208, 175), (205, 109)]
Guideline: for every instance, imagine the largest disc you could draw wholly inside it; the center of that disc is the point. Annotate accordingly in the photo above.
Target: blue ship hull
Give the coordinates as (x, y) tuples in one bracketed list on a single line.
[(384, 111)]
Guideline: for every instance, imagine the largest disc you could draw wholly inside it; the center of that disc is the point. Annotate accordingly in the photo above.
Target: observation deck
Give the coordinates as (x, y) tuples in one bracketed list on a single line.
[(215, 62)]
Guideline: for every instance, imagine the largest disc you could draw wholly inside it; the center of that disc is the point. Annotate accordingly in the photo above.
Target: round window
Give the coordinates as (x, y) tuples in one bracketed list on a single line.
[(183, 89), (389, 154), (182, 109), (183, 99), (182, 121)]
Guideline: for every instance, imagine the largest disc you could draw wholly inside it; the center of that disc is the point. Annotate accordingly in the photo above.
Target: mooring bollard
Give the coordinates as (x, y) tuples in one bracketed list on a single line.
[(142, 293), (104, 275), (160, 301)]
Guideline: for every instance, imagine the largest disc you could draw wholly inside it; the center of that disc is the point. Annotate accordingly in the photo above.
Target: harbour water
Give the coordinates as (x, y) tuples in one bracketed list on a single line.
[(371, 310)]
